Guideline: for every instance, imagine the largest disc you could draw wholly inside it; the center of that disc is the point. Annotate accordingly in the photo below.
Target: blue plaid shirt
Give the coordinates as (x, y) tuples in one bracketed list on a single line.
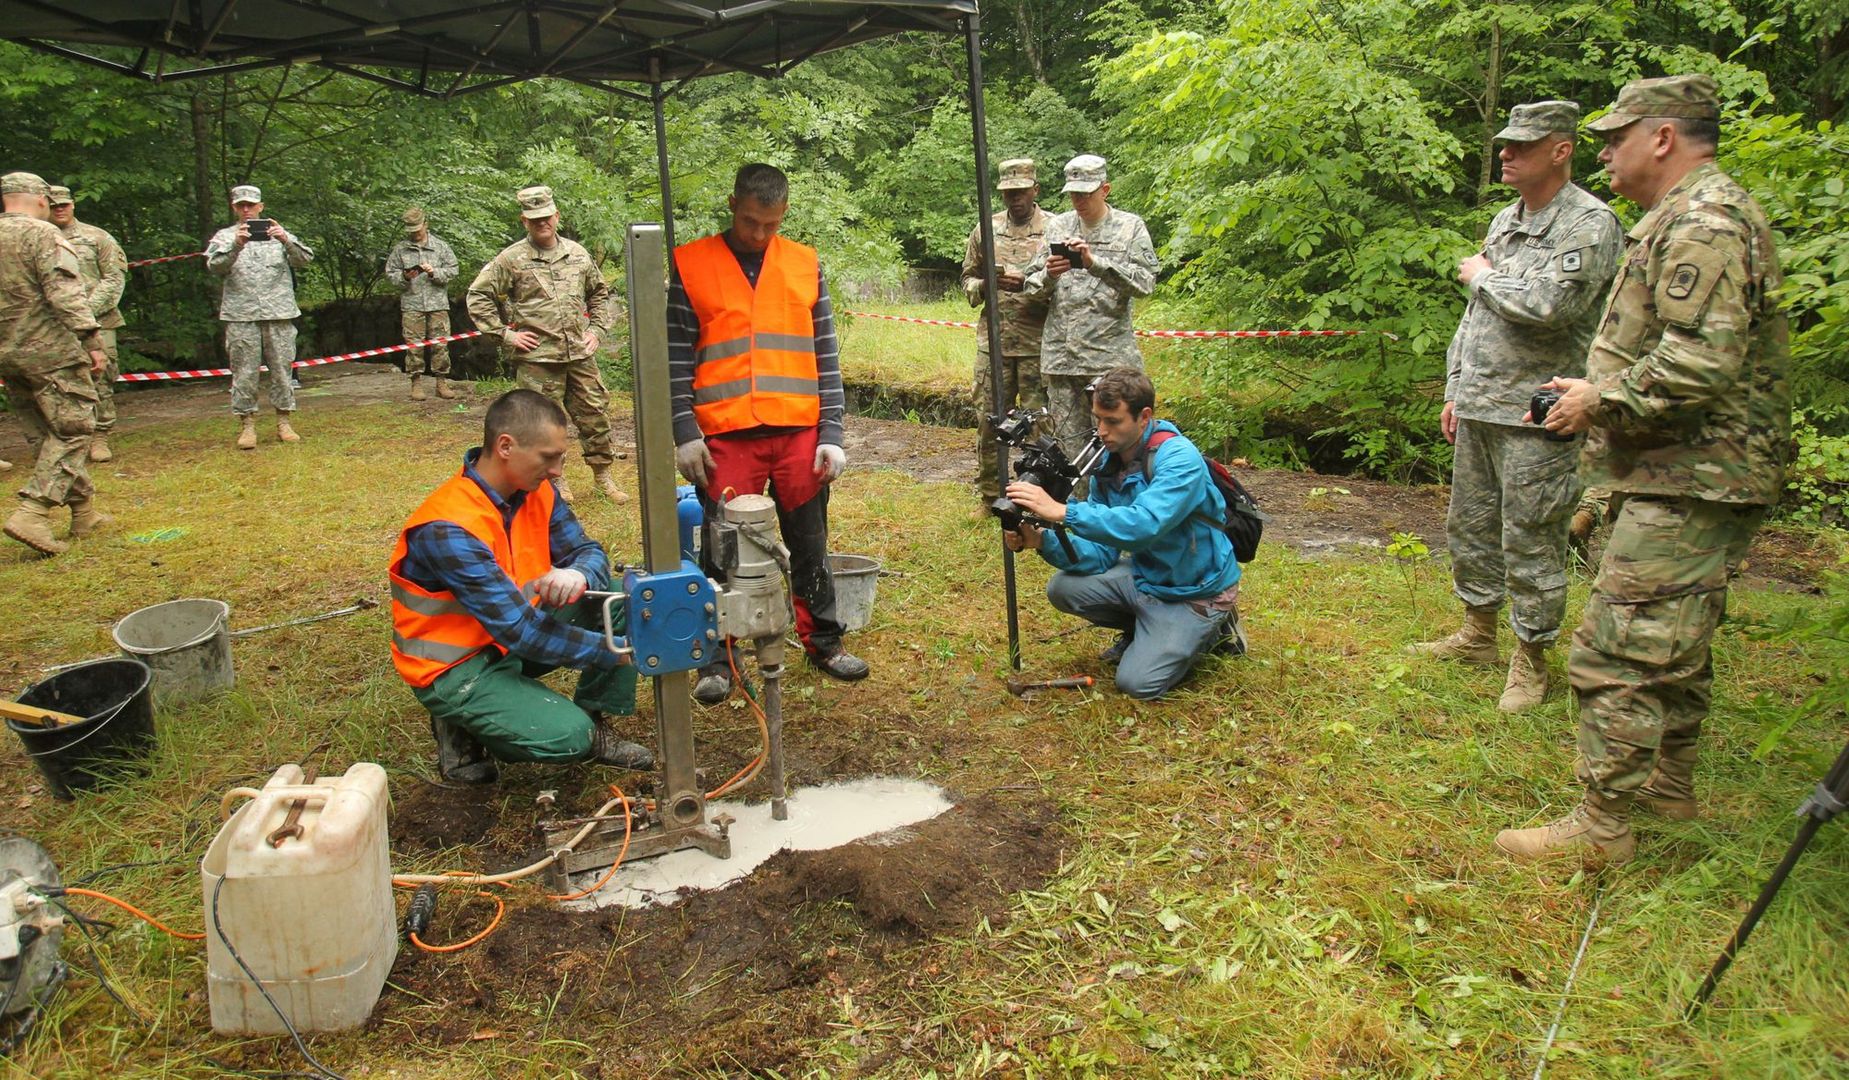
[(442, 556)]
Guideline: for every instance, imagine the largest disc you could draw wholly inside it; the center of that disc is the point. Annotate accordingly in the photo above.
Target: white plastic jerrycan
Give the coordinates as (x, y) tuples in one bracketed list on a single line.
[(303, 884)]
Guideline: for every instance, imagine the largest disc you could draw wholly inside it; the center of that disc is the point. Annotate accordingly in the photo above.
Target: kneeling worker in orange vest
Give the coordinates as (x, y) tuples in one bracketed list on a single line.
[(488, 582), (756, 388)]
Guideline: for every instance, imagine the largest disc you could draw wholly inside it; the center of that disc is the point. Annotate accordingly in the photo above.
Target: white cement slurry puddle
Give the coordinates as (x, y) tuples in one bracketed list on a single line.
[(820, 818)]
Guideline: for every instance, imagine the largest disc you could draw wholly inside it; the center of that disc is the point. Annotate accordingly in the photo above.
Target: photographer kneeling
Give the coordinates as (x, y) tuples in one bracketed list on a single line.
[(1174, 599)]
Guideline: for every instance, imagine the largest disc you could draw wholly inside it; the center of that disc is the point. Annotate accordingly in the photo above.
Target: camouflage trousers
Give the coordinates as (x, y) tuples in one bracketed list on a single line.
[(422, 326), (1069, 408), (1021, 388), (1641, 663), (1512, 497), (106, 387), (270, 344), (577, 385), (58, 411)]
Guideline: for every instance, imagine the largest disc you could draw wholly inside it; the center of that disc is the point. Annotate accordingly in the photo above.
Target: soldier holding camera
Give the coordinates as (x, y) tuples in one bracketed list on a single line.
[(258, 258), (1688, 412), (1146, 554), (1534, 290)]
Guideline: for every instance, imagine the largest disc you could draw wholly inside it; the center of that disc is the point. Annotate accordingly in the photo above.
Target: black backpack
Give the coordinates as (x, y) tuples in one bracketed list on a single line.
[(1245, 522)]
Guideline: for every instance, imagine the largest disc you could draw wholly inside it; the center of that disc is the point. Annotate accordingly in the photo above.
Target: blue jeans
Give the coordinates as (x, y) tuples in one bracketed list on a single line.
[(1169, 636)]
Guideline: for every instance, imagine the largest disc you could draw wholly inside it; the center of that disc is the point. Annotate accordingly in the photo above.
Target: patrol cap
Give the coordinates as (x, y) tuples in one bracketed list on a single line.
[(246, 193), (1539, 119), (1685, 97), (23, 183), (61, 196), (536, 202), (1085, 173), (413, 221), (1017, 173)]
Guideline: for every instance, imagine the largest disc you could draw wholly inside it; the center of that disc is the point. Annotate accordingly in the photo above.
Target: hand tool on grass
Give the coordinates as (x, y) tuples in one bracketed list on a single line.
[(1020, 687)]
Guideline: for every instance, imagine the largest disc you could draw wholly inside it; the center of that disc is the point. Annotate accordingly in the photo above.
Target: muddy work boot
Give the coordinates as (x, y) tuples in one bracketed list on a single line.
[(607, 484), (1114, 652), (713, 682), (609, 748), (247, 433), (31, 526), (1473, 643), (99, 449), (284, 431), (838, 663), (1670, 790), (460, 759), (86, 520), (1527, 683), (417, 389), (443, 388), (1598, 831)]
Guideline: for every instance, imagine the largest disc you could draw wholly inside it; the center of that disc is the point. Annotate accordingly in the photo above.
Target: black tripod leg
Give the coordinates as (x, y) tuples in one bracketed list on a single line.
[(1738, 941)]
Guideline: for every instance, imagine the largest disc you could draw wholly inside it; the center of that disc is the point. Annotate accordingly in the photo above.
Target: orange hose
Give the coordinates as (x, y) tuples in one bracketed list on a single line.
[(135, 911), (628, 821), (500, 909)]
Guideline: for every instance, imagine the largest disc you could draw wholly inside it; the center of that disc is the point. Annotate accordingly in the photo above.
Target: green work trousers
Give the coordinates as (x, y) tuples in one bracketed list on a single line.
[(498, 699)]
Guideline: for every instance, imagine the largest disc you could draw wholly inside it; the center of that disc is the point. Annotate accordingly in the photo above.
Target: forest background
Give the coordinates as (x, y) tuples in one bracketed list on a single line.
[(1301, 163)]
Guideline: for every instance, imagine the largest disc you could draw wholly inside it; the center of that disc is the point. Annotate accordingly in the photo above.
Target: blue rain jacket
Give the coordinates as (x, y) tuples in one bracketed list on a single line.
[(1174, 554)]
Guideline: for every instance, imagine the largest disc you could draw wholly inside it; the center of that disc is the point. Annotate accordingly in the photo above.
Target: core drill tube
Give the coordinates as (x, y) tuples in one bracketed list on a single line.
[(773, 753)]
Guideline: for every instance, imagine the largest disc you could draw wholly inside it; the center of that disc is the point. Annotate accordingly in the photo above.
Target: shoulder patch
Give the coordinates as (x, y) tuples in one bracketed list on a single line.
[(1682, 281), (1571, 262)]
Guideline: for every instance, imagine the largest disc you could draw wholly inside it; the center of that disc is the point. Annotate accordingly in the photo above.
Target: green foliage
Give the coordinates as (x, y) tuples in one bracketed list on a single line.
[(1817, 485)]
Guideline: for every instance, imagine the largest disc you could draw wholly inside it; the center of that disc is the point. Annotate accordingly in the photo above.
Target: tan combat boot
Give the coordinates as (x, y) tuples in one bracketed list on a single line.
[(86, 520), (5, 464), (417, 389), (444, 390), (247, 435), (564, 489), (1473, 643), (99, 449), (31, 526), (1598, 830), (1527, 683), (607, 484), (284, 431), (1670, 790)]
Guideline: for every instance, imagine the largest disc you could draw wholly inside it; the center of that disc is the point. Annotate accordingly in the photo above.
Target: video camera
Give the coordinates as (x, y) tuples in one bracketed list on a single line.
[(1044, 464)]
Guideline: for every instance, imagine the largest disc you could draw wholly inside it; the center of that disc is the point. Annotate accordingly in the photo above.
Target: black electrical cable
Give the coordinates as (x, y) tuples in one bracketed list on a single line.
[(89, 940), (321, 1070)]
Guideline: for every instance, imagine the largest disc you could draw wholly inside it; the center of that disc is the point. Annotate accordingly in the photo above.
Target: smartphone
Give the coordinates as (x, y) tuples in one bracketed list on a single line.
[(260, 228), (1064, 252)]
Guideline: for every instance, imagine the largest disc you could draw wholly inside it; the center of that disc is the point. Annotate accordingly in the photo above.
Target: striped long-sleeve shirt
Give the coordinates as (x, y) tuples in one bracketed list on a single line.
[(684, 332)]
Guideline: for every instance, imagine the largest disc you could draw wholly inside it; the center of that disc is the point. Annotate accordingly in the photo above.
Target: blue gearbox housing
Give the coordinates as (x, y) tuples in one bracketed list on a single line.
[(673, 619)]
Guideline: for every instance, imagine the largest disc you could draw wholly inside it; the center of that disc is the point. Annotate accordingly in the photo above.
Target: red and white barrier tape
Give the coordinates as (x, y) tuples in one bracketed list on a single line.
[(167, 259), (1140, 333), (164, 376)]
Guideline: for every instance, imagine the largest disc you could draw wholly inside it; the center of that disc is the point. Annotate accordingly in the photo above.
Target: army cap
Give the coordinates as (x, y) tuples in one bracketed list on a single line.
[(61, 196), (1539, 119), (246, 193), (1686, 97), (23, 183), (1017, 173), (413, 220), (536, 202), (1085, 173)]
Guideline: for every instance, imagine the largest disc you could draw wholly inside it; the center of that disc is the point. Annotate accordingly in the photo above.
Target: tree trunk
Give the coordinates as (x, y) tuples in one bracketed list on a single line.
[(1492, 110), (1024, 27), (203, 216)]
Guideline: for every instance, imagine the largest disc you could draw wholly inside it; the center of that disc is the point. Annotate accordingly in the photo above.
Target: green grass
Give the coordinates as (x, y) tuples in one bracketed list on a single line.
[(1284, 870)]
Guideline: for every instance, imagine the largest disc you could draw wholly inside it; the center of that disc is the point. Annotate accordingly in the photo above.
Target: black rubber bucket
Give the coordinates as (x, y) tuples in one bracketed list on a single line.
[(113, 696)]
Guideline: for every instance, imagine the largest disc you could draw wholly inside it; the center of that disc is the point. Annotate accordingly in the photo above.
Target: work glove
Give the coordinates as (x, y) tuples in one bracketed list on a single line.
[(829, 461), (695, 461), (560, 586)]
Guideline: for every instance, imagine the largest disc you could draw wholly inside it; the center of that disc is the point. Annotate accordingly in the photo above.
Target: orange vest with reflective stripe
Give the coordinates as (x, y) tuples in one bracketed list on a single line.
[(431, 632), (754, 363)]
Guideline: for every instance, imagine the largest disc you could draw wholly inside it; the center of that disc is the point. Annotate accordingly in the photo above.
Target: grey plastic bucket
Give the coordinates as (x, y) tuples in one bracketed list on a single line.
[(856, 577), (187, 644)]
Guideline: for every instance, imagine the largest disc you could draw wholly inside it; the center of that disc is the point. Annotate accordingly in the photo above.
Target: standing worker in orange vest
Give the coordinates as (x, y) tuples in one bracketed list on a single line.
[(488, 593), (756, 390)]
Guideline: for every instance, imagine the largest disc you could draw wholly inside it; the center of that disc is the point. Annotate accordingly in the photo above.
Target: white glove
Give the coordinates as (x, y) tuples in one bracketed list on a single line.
[(560, 586), (695, 461), (829, 461)]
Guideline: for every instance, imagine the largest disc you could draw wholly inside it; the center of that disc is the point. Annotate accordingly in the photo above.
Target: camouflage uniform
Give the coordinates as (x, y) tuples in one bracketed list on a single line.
[(258, 307), (105, 272), (1088, 329), (424, 305), (1022, 319), (46, 330), (549, 293), (1529, 319)]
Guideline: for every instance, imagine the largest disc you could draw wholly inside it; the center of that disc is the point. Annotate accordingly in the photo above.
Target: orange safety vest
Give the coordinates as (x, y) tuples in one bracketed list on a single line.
[(431, 632), (754, 364)]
